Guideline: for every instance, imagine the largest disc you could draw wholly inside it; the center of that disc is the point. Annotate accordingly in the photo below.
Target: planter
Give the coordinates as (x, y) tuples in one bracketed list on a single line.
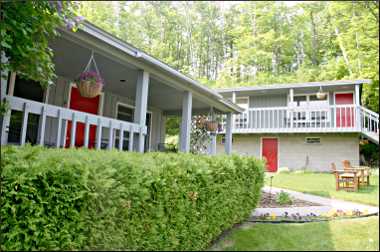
[(212, 126), (321, 95), (89, 89)]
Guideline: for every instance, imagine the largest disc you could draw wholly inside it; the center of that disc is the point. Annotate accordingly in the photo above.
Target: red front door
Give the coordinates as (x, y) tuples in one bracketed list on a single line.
[(89, 105), (270, 153), (344, 116)]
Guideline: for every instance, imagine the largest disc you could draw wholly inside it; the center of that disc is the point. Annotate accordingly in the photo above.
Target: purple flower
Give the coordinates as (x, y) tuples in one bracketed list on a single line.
[(70, 24), (92, 77), (79, 19)]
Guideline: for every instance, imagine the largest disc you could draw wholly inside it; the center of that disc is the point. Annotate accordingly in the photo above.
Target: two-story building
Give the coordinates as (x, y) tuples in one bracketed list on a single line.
[(301, 125)]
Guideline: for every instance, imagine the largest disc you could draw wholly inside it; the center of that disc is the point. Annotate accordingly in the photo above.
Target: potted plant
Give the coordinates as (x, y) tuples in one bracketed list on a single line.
[(321, 95), (90, 84)]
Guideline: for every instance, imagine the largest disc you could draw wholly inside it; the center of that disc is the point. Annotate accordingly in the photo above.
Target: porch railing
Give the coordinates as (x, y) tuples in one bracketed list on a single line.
[(370, 124), (62, 115), (334, 118)]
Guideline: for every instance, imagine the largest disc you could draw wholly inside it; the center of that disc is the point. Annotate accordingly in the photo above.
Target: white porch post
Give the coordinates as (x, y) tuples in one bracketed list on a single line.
[(5, 119), (187, 103), (141, 104), (163, 129), (233, 116), (228, 136), (357, 107), (212, 150), (212, 147), (291, 98)]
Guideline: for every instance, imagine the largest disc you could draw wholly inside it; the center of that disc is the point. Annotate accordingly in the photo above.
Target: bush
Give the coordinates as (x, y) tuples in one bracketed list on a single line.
[(283, 198), (96, 200)]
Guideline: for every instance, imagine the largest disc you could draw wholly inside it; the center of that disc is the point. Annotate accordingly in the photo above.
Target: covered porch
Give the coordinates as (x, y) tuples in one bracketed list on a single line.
[(130, 114)]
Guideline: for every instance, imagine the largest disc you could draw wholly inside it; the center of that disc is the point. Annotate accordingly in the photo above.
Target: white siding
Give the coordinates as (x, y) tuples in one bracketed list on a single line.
[(295, 154)]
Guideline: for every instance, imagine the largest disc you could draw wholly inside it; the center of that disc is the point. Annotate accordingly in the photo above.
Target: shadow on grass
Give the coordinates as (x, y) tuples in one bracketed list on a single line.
[(314, 236)]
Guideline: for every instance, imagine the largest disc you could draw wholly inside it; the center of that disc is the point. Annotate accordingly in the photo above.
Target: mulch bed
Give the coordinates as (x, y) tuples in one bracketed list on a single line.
[(269, 201)]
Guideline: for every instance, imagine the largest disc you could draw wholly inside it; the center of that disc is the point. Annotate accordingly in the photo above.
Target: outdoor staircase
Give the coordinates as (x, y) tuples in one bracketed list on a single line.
[(369, 124)]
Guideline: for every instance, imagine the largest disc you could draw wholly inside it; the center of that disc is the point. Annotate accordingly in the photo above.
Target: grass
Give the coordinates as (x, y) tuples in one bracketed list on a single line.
[(356, 234), (323, 184)]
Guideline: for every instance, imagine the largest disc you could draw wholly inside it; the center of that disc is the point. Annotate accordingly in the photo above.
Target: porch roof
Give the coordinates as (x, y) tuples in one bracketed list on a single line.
[(163, 77), (279, 88)]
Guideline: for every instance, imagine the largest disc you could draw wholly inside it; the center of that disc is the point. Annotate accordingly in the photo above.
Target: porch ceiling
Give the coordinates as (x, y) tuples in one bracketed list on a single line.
[(71, 58)]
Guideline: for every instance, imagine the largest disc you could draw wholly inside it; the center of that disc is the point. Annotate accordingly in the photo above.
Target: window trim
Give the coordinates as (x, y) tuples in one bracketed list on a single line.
[(308, 97)]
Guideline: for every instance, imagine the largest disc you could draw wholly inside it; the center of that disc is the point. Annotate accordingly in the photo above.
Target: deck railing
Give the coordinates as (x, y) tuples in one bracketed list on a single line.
[(62, 115), (334, 118)]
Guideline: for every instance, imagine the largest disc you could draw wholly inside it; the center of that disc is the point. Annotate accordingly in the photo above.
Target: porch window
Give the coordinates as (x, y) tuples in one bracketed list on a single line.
[(241, 120), (125, 113), (313, 140)]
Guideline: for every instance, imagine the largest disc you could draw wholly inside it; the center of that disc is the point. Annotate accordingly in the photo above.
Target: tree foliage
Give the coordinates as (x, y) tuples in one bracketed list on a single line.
[(253, 42), (26, 28)]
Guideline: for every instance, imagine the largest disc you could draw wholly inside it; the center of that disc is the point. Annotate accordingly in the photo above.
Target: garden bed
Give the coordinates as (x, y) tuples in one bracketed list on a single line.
[(269, 201)]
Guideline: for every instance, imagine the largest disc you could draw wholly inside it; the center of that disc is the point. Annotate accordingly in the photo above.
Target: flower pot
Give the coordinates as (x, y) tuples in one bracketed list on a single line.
[(212, 126), (88, 89), (321, 95)]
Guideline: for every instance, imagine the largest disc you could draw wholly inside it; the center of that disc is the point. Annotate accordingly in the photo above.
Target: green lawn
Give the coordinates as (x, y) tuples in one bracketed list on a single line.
[(355, 234), (323, 184)]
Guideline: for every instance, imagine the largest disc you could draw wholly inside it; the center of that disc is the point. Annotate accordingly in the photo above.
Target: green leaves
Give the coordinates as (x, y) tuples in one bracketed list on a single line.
[(55, 199), (26, 28)]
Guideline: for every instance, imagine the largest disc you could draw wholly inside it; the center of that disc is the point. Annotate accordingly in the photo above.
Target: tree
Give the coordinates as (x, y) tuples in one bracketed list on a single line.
[(26, 28)]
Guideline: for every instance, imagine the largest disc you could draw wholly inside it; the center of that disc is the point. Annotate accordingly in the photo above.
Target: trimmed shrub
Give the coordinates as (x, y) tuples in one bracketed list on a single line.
[(66, 199)]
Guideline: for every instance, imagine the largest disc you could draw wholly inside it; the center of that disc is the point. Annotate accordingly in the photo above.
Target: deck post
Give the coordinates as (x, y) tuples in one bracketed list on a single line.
[(141, 105), (212, 148), (357, 107), (228, 136), (162, 129), (187, 102), (5, 119), (291, 97), (233, 116)]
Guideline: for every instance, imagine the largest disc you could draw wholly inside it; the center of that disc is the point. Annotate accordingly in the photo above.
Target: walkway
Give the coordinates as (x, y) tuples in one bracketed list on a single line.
[(326, 204)]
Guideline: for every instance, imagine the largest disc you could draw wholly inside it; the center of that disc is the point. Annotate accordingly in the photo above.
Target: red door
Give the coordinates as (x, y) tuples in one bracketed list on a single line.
[(270, 153), (344, 116), (89, 105)]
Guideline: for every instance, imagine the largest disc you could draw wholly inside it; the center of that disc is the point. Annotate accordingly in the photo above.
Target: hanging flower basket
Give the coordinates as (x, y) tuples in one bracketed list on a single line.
[(212, 126), (90, 84), (321, 95)]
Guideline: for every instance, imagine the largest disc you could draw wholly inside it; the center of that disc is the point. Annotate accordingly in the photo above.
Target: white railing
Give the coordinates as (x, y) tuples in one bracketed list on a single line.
[(369, 123), (335, 118), (63, 115)]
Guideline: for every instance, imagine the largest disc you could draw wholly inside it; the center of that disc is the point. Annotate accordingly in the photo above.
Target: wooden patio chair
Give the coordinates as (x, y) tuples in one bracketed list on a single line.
[(347, 180), (363, 172)]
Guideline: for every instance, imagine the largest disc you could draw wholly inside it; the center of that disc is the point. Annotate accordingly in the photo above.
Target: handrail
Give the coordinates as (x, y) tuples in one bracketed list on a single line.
[(46, 110)]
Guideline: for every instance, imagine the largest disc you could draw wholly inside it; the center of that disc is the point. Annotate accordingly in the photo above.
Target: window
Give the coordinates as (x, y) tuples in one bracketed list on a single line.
[(243, 102), (125, 113), (313, 140)]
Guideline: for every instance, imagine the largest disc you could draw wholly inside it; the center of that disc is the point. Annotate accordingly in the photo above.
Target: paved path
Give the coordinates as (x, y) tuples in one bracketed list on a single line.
[(326, 205)]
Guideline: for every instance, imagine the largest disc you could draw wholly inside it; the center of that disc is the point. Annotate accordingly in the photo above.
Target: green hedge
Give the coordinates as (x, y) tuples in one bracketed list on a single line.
[(86, 199)]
